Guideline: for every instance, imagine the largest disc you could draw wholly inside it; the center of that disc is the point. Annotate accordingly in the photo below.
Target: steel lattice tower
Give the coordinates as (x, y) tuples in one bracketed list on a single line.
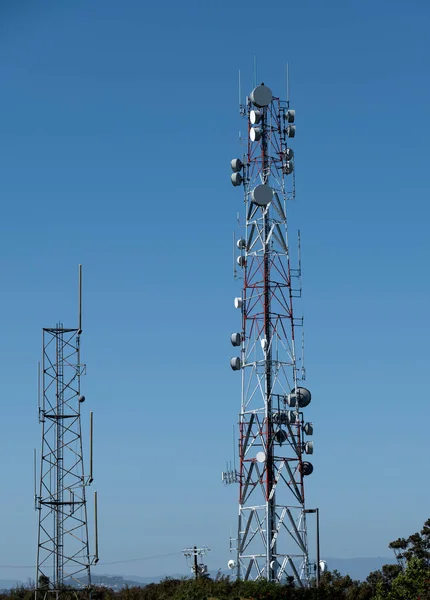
[(272, 535), (63, 554)]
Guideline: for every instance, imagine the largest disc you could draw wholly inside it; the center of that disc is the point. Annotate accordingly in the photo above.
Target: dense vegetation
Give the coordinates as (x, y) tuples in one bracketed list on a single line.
[(409, 579)]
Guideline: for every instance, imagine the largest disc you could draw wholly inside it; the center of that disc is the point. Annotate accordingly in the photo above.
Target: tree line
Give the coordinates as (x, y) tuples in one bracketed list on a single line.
[(409, 579)]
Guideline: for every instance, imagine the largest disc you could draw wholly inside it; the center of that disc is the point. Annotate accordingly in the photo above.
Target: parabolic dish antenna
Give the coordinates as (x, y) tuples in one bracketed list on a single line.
[(323, 566), (255, 117), (261, 457), (255, 134), (262, 195), (261, 96)]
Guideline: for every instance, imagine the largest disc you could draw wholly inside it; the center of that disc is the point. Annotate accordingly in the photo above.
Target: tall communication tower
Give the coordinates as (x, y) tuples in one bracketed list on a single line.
[(63, 554), (272, 536)]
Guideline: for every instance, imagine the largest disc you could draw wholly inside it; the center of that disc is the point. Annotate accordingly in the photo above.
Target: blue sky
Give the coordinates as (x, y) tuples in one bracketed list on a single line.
[(118, 122)]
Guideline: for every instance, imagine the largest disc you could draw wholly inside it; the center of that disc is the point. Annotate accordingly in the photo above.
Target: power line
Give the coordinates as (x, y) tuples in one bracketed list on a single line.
[(115, 562), (112, 562)]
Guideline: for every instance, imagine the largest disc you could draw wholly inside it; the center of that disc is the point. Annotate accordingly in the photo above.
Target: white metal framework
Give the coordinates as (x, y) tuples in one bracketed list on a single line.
[(272, 536)]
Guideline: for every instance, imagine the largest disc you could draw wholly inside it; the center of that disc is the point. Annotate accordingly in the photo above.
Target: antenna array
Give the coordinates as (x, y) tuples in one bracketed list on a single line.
[(272, 534)]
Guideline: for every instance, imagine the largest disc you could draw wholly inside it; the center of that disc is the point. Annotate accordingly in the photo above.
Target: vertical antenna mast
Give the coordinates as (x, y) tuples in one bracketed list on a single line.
[(241, 104), (91, 478), (96, 530), (63, 556), (38, 386), (35, 477), (80, 299), (272, 535)]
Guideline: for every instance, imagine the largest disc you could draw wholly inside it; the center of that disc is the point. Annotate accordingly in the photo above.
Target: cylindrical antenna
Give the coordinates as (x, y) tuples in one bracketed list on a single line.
[(42, 376), (91, 448), (234, 450), (299, 255), (303, 352), (240, 92), (38, 387), (299, 272), (288, 84), (255, 70), (80, 298), (96, 531), (234, 256), (34, 473)]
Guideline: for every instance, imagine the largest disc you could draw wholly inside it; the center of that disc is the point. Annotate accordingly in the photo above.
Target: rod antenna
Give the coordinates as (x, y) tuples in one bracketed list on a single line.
[(96, 531), (34, 473), (91, 478), (234, 450), (234, 256), (241, 105), (38, 387), (299, 256), (80, 299)]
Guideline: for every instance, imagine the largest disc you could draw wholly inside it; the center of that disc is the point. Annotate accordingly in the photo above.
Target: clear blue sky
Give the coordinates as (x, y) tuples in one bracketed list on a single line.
[(117, 124)]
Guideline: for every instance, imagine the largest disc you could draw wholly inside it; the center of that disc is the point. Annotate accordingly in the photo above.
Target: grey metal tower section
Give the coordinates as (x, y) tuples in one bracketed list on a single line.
[(63, 554), (272, 534)]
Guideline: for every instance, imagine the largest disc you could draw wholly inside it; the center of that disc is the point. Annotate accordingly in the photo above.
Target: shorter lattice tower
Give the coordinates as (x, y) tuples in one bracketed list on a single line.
[(63, 552)]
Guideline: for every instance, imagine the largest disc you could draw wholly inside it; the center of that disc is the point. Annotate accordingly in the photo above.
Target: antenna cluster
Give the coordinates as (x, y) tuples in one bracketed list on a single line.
[(272, 533), (230, 475)]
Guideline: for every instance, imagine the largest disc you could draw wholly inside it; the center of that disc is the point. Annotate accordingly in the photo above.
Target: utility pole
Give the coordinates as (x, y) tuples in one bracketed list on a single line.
[(196, 569), (318, 546), (194, 553), (316, 511)]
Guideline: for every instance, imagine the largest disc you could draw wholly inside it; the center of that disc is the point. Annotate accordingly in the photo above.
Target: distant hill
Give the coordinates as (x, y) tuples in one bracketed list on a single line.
[(154, 579), (115, 582), (356, 568)]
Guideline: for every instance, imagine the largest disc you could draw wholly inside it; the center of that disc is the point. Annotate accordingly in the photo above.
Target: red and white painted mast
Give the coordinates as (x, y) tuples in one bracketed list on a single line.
[(272, 536)]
